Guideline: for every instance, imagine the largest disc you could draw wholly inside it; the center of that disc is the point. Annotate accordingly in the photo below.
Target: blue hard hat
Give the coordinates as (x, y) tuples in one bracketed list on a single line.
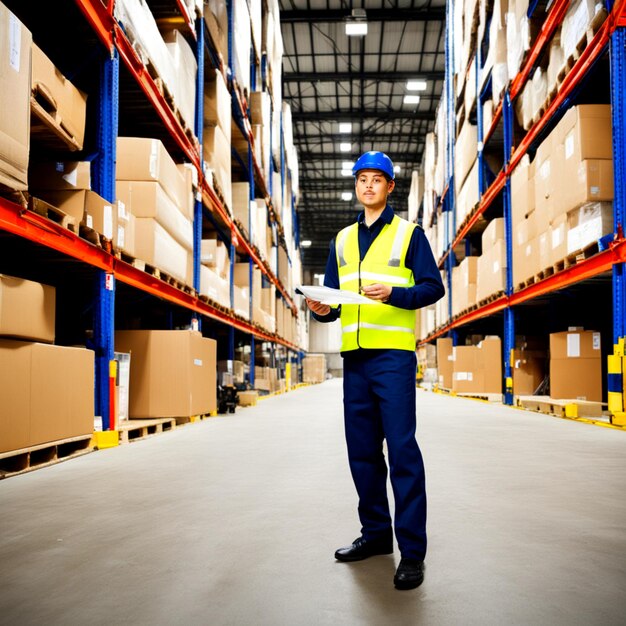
[(374, 161)]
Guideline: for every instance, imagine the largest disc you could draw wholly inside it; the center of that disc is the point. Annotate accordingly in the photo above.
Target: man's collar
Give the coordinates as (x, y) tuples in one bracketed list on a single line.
[(386, 216)]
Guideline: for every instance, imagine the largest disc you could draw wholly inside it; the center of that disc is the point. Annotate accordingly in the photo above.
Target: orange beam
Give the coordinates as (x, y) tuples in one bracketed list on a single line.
[(100, 18)]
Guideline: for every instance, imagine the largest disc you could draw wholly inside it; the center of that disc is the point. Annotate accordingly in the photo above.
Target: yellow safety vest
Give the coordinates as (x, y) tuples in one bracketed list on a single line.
[(376, 325)]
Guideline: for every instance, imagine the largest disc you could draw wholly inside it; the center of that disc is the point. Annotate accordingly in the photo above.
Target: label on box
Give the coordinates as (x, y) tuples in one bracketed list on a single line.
[(121, 211), (594, 190), (545, 169), (496, 267), (71, 178), (154, 156), (107, 225), (15, 42), (197, 362), (596, 341), (557, 237), (89, 221), (573, 345)]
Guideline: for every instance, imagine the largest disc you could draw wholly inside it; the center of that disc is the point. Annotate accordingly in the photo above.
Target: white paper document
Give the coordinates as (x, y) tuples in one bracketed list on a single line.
[(328, 295)]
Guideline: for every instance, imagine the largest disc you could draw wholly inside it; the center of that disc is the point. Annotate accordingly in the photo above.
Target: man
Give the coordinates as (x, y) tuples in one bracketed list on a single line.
[(390, 261)]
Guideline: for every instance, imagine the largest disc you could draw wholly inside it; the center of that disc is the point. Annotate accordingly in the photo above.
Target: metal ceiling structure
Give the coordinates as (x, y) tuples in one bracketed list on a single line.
[(329, 77)]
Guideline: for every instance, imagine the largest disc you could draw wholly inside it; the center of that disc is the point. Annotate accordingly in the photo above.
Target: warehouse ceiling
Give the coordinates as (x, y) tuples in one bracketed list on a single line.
[(331, 78)]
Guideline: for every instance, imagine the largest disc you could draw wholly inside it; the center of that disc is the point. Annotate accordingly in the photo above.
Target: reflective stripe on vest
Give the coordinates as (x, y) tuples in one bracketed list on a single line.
[(377, 325)]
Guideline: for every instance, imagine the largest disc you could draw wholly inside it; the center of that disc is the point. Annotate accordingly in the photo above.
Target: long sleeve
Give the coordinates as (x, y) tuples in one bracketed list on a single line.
[(331, 279), (428, 287)]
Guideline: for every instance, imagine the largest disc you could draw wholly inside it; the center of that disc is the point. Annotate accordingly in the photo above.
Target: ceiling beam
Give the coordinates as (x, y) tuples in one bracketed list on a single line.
[(373, 15), (348, 116), (385, 77), (400, 157)]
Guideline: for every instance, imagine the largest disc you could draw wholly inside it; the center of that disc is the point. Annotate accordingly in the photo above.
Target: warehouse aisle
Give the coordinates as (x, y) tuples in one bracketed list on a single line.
[(235, 520)]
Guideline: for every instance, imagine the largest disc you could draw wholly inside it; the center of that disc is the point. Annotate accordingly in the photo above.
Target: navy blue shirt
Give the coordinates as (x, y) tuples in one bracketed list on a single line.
[(428, 286)]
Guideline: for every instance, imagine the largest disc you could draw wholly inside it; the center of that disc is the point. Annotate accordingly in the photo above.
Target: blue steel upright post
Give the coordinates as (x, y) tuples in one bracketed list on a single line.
[(199, 131), (450, 201), (250, 203), (615, 383), (233, 251), (509, 321), (103, 172)]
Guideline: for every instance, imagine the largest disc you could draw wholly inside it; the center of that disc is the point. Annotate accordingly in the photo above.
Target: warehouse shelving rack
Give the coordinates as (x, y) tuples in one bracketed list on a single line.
[(610, 36), (16, 220)]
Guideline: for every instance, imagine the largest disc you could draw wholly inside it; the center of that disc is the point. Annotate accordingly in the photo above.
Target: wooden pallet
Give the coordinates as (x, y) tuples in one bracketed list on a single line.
[(43, 455), (475, 395), (134, 430), (579, 48), (53, 213), (95, 238), (562, 408), (47, 128)]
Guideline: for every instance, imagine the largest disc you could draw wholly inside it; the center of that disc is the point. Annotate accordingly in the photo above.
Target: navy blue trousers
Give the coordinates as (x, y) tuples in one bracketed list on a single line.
[(379, 404)]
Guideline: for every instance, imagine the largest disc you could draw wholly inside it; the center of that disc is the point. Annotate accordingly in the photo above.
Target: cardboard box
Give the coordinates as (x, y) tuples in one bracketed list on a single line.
[(59, 175), (216, 18), (124, 238), (87, 207), (491, 270), (217, 103), (469, 196), (445, 364), (148, 199), (579, 379), (70, 102), (172, 372), (144, 159), (575, 344), (241, 205), (155, 246), (587, 224), (478, 369), (314, 368), (528, 372), (585, 132), (557, 239), (49, 395), (15, 72), (581, 183), (493, 233), (525, 261), (522, 191), (27, 309), (248, 398), (190, 175), (217, 156), (465, 153)]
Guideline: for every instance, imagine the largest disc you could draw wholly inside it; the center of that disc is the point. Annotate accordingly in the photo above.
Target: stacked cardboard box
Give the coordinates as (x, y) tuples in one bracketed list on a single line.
[(314, 368), (492, 264), (67, 186), (168, 53), (529, 363), (70, 103), (478, 368), (172, 372), (15, 62), (155, 191), (464, 277), (49, 394), (575, 365), (561, 202)]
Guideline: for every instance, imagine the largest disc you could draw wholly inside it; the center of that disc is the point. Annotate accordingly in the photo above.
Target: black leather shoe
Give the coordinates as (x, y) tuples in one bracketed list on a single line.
[(409, 575), (363, 549)]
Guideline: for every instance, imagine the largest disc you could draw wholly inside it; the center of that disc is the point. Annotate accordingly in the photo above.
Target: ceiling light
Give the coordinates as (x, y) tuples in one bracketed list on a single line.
[(411, 99), (416, 85), (347, 165), (345, 127), (396, 169), (346, 172), (306, 243), (345, 147), (346, 195), (356, 24)]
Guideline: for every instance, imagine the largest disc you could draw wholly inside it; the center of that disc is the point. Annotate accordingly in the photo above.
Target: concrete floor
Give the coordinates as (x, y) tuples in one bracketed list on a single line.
[(235, 520)]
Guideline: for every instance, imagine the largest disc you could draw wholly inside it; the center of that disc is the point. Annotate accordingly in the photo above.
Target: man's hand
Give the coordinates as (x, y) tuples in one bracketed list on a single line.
[(317, 307), (377, 291)]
